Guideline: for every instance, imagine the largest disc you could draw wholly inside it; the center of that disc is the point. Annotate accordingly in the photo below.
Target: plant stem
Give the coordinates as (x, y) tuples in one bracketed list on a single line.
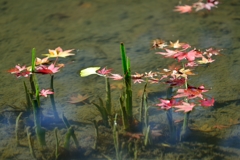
[(71, 131), (186, 117), (147, 139), (103, 112), (127, 95), (17, 128), (96, 134), (169, 115), (40, 132), (144, 109), (30, 143), (57, 143), (108, 96), (185, 125), (115, 138), (53, 101), (67, 138), (28, 99)]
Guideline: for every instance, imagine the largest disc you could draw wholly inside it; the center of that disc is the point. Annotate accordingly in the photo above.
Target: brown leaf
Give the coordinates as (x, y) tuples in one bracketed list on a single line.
[(78, 99)]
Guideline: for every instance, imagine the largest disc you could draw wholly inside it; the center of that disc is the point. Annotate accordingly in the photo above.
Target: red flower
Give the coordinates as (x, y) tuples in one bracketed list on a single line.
[(115, 77), (47, 69), (207, 102), (19, 71), (190, 56), (186, 107), (104, 71), (191, 92), (169, 53), (176, 81), (167, 104)]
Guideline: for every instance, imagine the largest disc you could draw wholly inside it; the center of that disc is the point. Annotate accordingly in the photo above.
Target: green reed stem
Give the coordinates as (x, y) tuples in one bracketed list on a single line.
[(28, 99), (55, 113), (67, 138), (127, 95), (186, 116), (40, 132), (57, 142), (96, 134), (30, 143), (172, 128), (70, 131), (33, 87), (125, 118), (116, 139), (144, 109), (108, 96), (103, 112), (185, 125), (17, 128), (147, 139)]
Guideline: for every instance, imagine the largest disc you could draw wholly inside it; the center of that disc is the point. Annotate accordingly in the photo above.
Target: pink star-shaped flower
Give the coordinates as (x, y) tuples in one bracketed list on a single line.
[(183, 9), (47, 69), (167, 104), (191, 92), (115, 77), (45, 92), (186, 107), (104, 71), (19, 71)]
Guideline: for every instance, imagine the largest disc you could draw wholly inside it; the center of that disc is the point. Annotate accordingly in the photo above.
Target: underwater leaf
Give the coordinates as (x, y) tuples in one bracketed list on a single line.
[(79, 98)]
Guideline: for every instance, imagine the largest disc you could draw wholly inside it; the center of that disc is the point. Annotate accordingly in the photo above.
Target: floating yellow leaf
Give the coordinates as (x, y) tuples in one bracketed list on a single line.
[(59, 52), (176, 44), (89, 71)]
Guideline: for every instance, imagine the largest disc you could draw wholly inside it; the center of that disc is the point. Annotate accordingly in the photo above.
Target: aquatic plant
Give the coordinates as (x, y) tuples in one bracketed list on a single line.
[(187, 96), (39, 66), (126, 96), (197, 6), (104, 106)]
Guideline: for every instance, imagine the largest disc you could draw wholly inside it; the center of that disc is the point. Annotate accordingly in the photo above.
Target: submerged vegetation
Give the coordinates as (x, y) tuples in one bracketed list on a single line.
[(131, 134), (125, 130)]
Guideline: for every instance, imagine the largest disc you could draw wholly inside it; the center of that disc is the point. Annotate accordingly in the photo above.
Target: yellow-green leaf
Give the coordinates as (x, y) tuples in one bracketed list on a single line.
[(89, 71)]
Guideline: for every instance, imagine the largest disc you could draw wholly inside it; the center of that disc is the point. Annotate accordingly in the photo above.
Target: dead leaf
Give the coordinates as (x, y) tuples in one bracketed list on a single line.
[(117, 86), (219, 126), (78, 99)]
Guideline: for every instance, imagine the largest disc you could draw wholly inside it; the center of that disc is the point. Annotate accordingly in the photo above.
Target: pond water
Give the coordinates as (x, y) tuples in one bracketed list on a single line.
[(95, 29)]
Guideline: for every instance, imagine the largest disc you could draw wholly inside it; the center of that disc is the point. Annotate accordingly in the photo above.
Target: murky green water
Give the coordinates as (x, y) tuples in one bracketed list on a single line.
[(95, 29)]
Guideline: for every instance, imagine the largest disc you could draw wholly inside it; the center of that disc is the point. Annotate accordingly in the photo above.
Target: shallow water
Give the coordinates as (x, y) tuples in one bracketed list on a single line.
[(96, 28)]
